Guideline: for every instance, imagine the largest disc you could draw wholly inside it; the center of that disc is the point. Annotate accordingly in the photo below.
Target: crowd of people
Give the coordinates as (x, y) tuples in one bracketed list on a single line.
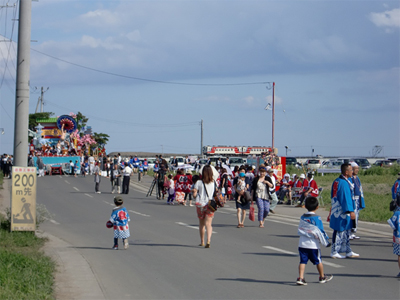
[(245, 186)]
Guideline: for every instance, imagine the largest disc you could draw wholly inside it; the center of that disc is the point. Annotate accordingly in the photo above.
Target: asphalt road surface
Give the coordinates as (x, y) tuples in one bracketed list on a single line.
[(164, 260)]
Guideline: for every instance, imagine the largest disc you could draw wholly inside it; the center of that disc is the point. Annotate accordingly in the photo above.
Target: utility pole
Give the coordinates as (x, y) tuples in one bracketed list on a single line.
[(22, 85), (201, 139), (273, 116), (40, 101)]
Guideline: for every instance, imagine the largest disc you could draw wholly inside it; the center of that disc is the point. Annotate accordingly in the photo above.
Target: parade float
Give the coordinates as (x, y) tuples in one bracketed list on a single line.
[(59, 141)]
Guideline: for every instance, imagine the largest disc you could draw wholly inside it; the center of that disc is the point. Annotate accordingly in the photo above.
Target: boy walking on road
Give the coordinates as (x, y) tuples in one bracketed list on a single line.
[(311, 231)]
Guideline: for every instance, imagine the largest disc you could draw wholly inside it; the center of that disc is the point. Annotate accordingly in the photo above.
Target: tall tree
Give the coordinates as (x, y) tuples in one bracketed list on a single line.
[(101, 138), (40, 115), (81, 120)]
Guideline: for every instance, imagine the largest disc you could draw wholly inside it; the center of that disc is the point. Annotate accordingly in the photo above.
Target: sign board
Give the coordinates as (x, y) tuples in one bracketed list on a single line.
[(23, 199)]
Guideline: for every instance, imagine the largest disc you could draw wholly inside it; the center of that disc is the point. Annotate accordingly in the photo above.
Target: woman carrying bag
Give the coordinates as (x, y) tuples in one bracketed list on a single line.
[(203, 192), (261, 186)]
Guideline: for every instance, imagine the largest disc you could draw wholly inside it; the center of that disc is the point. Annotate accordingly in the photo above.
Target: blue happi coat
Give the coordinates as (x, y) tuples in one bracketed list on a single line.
[(120, 218), (342, 204), (358, 191), (396, 188), (311, 226), (394, 223)]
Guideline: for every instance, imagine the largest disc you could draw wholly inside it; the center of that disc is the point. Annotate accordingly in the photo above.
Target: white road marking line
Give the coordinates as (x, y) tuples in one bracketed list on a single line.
[(296, 254), (138, 213), (76, 189), (325, 263), (280, 250), (66, 181), (89, 195), (190, 226)]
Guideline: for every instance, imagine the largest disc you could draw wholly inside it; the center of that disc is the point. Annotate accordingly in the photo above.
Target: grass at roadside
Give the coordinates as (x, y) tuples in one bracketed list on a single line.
[(25, 272)]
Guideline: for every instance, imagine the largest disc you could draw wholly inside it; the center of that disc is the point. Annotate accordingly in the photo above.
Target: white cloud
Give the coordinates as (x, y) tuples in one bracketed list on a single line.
[(389, 18), (134, 36), (249, 99), (101, 18), (108, 43)]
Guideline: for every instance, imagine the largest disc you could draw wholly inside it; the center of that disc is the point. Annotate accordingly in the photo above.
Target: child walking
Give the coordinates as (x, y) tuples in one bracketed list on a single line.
[(120, 219), (394, 223), (312, 234), (171, 190)]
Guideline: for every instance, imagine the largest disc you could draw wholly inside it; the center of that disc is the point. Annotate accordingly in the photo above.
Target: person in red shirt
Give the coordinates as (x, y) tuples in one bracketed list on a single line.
[(310, 188)]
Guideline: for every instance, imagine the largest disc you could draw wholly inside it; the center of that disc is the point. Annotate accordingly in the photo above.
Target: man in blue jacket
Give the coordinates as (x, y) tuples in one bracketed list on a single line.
[(342, 213)]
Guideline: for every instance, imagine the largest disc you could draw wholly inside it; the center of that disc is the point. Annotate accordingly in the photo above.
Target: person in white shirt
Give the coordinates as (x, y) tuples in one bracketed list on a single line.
[(127, 177), (203, 192)]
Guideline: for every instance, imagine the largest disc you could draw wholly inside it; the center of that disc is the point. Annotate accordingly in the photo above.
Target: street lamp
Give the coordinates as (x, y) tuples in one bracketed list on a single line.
[(286, 149)]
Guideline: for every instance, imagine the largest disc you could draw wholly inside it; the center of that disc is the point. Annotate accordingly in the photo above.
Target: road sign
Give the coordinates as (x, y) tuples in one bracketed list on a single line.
[(23, 199)]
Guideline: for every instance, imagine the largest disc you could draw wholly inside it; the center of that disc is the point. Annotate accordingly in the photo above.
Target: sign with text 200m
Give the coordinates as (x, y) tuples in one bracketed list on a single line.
[(23, 199)]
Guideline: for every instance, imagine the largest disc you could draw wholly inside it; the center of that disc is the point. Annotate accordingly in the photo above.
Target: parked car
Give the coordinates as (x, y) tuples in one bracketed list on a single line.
[(363, 163), (292, 161), (236, 161), (313, 164), (150, 162), (331, 164), (181, 161), (383, 163)]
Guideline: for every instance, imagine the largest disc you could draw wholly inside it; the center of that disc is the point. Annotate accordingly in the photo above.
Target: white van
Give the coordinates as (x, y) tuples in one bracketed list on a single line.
[(237, 161)]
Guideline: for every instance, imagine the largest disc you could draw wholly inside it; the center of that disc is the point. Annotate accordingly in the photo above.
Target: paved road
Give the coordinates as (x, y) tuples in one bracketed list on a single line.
[(164, 261)]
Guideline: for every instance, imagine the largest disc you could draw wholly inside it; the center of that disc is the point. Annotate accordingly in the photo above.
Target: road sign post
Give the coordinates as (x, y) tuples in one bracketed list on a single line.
[(23, 199)]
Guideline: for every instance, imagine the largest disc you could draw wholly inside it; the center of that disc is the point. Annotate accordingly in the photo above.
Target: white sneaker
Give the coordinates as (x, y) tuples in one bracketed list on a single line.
[(337, 255), (126, 244), (352, 254)]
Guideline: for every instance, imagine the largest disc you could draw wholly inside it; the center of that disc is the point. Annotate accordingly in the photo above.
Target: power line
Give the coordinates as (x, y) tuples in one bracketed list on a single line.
[(150, 80), (130, 123)]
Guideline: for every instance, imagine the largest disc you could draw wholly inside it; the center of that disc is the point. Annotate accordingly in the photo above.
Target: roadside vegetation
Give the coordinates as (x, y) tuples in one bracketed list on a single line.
[(377, 185), (25, 272)]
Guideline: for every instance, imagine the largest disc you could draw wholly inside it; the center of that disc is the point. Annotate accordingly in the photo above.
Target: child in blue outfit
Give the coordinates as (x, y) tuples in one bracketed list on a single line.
[(394, 223), (312, 234), (120, 219)]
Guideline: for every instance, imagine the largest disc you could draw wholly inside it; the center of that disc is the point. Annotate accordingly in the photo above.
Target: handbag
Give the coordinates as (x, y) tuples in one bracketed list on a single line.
[(212, 204), (219, 199), (252, 216)]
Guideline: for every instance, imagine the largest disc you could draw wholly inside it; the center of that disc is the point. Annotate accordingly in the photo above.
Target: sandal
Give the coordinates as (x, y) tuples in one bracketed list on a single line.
[(201, 245), (239, 226), (261, 226), (207, 246)]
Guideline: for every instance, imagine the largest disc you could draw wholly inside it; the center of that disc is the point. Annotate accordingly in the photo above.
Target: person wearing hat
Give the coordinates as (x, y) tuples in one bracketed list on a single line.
[(242, 196), (274, 198), (310, 188), (120, 218), (358, 198), (126, 172), (285, 188)]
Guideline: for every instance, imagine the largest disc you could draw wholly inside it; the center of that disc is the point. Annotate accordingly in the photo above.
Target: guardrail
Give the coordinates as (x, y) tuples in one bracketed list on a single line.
[(328, 171)]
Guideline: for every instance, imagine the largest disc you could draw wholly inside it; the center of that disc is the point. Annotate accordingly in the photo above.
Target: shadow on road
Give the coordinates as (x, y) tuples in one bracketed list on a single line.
[(257, 281)]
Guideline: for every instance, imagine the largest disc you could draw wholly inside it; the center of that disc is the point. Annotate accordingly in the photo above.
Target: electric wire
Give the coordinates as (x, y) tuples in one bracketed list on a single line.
[(147, 79)]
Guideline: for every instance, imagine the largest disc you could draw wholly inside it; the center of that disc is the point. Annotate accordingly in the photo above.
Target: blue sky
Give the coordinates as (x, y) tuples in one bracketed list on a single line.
[(335, 65)]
